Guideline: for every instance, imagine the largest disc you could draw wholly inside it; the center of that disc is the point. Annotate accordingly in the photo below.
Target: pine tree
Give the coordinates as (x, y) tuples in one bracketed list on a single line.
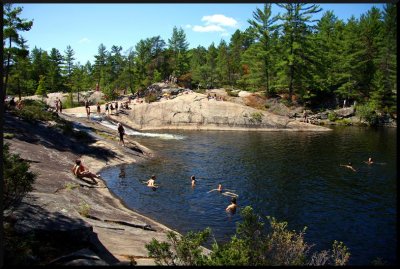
[(295, 31), (263, 25), (179, 46), (12, 24)]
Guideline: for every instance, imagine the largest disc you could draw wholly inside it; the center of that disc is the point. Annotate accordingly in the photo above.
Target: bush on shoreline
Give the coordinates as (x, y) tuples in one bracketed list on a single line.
[(252, 245)]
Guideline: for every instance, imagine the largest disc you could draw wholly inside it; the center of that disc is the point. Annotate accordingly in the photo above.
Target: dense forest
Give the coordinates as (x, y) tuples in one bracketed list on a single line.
[(312, 62)]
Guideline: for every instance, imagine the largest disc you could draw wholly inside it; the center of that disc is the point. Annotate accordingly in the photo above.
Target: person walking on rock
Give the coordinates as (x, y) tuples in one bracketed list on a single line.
[(121, 132)]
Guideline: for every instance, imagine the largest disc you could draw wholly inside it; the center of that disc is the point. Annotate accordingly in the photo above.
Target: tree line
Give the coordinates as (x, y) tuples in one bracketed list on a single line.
[(313, 62)]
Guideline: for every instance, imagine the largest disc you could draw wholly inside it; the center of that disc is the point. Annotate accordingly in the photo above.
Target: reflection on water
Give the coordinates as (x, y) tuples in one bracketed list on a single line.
[(293, 176)]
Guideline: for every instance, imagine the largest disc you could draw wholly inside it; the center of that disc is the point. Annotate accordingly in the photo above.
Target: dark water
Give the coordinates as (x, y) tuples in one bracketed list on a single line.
[(293, 176)]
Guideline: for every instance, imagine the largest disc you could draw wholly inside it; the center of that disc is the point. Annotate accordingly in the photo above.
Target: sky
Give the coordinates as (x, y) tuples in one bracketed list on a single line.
[(85, 26)]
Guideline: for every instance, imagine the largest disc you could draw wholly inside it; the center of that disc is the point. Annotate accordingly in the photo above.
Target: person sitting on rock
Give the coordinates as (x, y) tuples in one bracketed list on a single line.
[(80, 171)]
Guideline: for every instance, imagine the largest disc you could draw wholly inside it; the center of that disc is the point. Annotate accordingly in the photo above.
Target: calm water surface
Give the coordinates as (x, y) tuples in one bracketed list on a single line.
[(293, 176)]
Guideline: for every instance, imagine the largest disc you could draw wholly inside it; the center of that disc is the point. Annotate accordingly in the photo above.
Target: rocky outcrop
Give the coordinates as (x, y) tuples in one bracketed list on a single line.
[(196, 111), (68, 212)]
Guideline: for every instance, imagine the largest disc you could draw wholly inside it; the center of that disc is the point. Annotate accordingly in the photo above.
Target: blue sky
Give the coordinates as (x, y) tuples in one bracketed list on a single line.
[(85, 26)]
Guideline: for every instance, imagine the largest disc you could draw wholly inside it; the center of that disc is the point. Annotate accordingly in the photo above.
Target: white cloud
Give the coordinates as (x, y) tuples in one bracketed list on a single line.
[(219, 19), (188, 26), (208, 28), (84, 40)]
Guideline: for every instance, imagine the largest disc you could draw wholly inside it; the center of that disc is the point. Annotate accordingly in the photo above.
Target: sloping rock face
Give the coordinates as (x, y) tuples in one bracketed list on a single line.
[(195, 111)]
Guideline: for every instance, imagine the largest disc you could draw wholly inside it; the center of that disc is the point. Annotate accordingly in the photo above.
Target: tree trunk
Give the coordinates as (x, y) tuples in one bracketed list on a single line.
[(7, 68)]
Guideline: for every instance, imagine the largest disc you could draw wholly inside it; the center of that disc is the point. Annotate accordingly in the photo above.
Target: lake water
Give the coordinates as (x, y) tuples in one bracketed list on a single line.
[(293, 176)]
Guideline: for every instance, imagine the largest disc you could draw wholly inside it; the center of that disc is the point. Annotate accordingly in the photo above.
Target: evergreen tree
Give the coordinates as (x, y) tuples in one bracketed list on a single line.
[(12, 24), (69, 64), (350, 62), (223, 64), (386, 93), (263, 25), (371, 40), (295, 31), (54, 78), (41, 89), (236, 48), (198, 67), (327, 45), (179, 46), (20, 77), (211, 67), (100, 66), (253, 65)]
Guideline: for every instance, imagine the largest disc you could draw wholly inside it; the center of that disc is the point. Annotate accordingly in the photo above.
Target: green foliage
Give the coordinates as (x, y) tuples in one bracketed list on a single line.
[(8, 135), (84, 209), (186, 249), (283, 54), (367, 112), (150, 98), (256, 117), (41, 89), (232, 93), (252, 245), (70, 186), (17, 179), (332, 116), (36, 111)]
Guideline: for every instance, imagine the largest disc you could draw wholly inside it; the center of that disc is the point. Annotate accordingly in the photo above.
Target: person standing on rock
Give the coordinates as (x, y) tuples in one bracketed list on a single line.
[(305, 116), (107, 109), (98, 108), (60, 105), (121, 132), (87, 108), (56, 104)]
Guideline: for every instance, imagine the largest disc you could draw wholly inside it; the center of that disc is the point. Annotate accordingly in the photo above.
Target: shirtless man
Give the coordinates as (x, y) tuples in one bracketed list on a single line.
[(80, 171), (226, 193), (193, 181), (151, 181), (370, 161), (350, 166), (232, 207)]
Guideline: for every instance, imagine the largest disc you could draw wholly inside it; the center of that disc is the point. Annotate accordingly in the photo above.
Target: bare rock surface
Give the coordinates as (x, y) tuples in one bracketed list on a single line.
[(196, 111), (77, 212)]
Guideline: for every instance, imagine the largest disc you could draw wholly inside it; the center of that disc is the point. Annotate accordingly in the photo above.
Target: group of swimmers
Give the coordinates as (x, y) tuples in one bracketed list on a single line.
[(350, 165), (230, 209)]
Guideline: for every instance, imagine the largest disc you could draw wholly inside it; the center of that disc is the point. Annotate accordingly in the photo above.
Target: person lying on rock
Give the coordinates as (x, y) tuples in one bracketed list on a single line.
[(80, 171)]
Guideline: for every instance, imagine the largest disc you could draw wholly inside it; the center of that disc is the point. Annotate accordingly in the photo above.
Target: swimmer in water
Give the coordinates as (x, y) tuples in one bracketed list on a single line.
[(370, 161), (232, 207), (350, 166), (226, 193), (150, 182), (193, 181)]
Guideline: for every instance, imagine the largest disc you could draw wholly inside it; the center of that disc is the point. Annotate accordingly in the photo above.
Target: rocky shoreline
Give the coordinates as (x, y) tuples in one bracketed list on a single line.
[(92, 226)]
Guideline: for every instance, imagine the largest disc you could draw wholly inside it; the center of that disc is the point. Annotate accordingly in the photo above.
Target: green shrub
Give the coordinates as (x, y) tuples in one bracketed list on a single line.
[(36, 111), (150, 98), (71, 186), (254, 244), (332, 116), (232, 93), (17, 179), (256, 117), (8, 135), (84, 209), (368, 113), (187, 249)]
